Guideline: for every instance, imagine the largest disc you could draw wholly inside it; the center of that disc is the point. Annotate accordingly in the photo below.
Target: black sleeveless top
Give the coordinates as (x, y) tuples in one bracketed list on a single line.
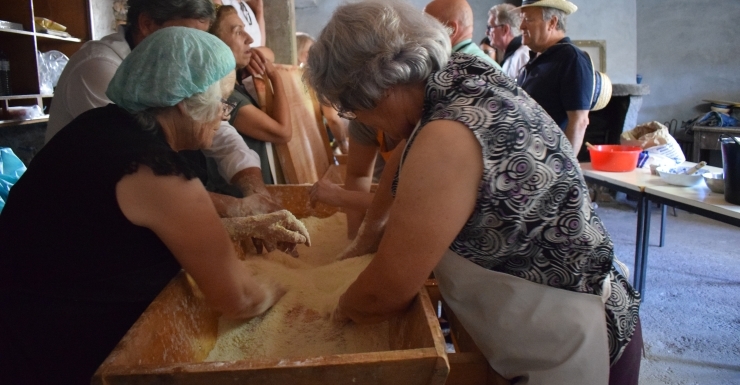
[(62, 232), (75, 274)]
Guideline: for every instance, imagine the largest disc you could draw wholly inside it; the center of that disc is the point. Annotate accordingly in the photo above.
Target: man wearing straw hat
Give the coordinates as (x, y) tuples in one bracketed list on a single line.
[(559, 76)]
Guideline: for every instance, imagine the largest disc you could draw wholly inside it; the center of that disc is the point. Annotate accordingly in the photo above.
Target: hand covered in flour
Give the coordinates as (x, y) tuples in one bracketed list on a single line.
[(253, 205), (278, 230), (366, 242), (272, 292)]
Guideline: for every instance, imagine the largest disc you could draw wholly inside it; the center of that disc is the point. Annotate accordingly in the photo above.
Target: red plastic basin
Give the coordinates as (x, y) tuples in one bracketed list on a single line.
[(614, 157)]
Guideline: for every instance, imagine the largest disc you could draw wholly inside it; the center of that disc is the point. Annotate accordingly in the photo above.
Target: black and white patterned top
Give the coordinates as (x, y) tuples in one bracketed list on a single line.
[(533, 217)]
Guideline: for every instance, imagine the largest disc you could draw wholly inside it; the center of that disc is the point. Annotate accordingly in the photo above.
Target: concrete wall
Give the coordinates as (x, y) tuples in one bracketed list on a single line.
[(687, 51), (609, 20)]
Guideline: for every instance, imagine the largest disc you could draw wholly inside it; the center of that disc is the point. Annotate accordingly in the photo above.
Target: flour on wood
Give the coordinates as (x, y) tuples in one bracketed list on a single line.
[(298, 326)]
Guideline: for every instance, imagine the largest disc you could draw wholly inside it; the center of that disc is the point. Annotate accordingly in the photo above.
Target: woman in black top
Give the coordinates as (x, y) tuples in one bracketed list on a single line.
[(108, 212)]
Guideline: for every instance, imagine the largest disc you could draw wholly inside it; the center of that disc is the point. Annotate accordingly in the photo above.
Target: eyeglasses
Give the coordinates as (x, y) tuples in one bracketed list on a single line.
[(346, 114), (226, 108), (489, 28), (245, 11)]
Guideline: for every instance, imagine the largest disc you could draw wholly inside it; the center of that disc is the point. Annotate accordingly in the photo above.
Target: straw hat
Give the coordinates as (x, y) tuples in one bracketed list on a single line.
[(602, 92), (563, 5)]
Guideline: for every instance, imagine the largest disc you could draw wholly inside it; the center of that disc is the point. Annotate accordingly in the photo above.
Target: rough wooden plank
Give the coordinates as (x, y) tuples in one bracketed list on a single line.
[(468, 366), (171, 339)]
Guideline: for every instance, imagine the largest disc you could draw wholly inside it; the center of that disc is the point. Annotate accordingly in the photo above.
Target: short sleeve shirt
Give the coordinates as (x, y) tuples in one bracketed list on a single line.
[(560, 79), (242, 99), (368, 136), (216, 182)]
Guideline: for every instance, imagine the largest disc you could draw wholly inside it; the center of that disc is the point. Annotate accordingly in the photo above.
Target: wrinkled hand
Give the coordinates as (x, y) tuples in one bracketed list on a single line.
[(259, 65), (278, 230), (273, 293), (325, 192), (254, 204), (366, 242)]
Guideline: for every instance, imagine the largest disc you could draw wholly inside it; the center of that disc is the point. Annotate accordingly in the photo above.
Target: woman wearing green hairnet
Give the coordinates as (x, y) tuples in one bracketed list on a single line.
[(108, 213)]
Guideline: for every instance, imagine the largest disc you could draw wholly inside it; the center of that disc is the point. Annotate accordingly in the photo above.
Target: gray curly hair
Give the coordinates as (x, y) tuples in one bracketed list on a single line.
[(548, 13), (370, 46), (509, 15)]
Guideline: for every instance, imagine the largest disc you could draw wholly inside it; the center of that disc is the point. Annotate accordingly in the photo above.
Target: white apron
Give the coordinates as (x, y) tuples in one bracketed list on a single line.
[(529, 332)]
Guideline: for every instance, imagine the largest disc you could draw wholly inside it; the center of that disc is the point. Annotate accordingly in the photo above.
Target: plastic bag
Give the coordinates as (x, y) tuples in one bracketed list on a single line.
[(656, 140), (11, 169), (23, 112), (51, 65)]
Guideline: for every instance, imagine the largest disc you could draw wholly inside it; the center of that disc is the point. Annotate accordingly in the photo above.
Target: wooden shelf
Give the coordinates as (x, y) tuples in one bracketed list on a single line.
[(41, 35), (20, 122), (21, 97), (23, 45), (54, 37), (17, 31)]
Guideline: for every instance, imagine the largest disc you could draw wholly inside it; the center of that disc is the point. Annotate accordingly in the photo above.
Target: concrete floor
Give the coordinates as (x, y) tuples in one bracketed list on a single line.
[(691, 310)]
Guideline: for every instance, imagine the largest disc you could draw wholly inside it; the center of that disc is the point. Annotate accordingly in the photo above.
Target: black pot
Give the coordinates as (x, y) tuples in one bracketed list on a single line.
[(731, 166)]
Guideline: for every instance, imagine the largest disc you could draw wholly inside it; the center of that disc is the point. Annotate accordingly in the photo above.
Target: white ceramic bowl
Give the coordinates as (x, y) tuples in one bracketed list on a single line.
[(676, 176)]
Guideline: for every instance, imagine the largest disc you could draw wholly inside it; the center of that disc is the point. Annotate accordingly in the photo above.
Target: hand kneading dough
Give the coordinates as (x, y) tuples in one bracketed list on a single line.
[(298, 326)]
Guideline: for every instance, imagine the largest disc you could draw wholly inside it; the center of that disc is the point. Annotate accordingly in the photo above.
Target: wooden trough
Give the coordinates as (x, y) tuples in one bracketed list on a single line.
[(169, 342), (468, 366)]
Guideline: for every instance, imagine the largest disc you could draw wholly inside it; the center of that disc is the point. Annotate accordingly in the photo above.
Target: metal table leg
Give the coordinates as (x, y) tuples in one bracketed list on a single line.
[(663, 211), (639, 244), (645, 246)]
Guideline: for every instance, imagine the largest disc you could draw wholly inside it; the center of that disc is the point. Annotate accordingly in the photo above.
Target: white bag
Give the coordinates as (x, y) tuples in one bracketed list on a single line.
[(654, 138)]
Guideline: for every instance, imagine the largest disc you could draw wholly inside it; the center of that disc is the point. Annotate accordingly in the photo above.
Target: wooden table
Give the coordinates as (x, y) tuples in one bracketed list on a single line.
[(707, 138), (633, 184), (698, 200), (650, 188)]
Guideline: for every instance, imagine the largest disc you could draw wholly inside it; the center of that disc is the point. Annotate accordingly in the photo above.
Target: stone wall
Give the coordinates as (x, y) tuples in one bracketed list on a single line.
[(687, 51), (609, 20)]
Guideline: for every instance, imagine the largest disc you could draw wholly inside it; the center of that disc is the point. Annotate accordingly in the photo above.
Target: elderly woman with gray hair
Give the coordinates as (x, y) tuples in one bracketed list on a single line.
[(488, 195), (109, 212)]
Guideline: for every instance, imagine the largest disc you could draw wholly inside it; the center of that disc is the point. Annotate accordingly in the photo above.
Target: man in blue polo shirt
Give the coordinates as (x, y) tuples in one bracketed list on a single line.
[(559, 76)]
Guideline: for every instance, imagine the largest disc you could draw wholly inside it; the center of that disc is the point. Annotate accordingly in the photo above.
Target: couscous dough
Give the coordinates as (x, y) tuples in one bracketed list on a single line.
[(298, 326)]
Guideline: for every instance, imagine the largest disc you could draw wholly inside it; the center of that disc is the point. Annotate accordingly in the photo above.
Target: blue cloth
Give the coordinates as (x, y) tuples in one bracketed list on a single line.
[(716, 119), (560, 79), (11, 169), (170, 65)]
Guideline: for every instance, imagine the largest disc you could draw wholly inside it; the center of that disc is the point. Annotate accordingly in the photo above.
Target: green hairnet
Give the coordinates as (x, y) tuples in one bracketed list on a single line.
[(170, 65)]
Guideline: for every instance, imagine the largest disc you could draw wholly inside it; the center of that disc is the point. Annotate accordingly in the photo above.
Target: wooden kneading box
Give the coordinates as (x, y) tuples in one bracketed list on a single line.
[(172, 338)]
